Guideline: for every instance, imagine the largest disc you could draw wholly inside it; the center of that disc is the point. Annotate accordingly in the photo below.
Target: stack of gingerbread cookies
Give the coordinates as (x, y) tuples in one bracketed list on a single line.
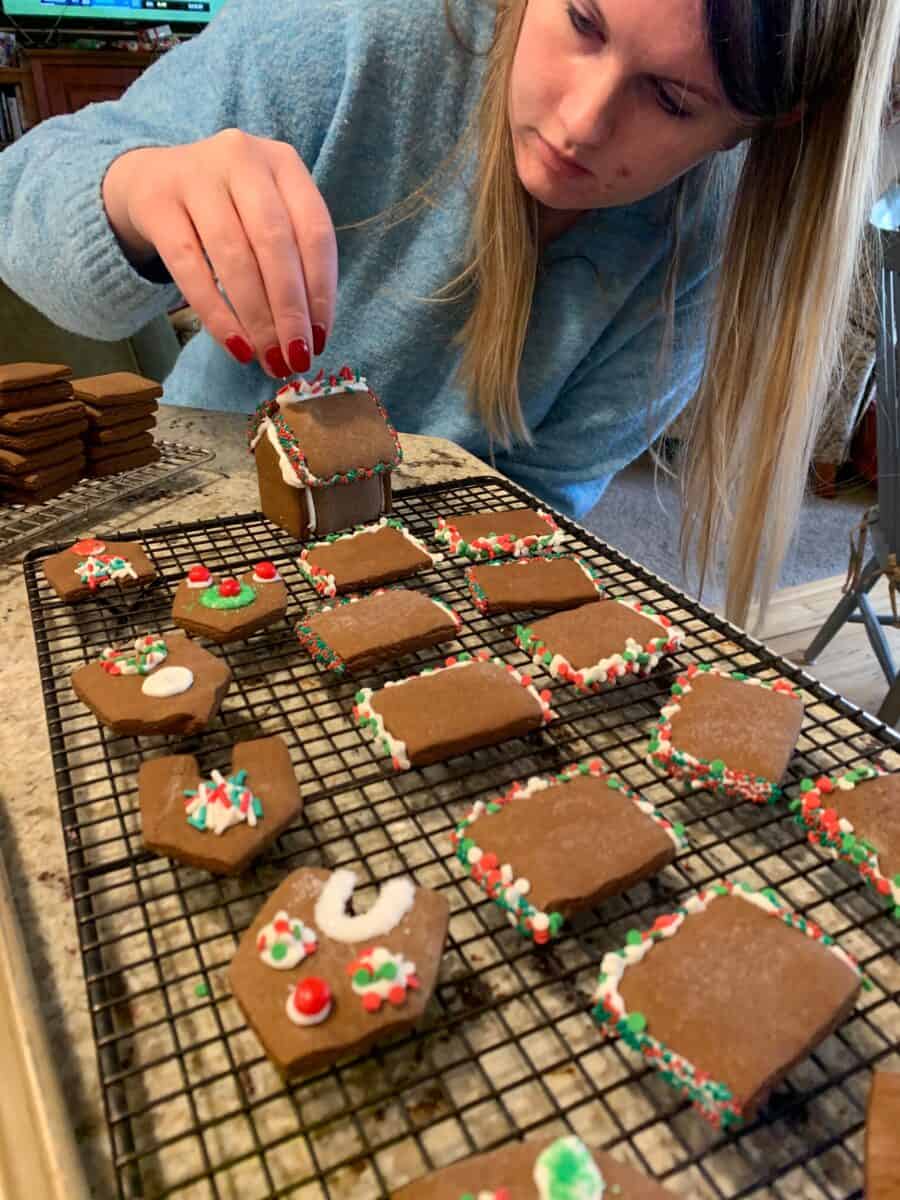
[(41, 428), (120, 409)]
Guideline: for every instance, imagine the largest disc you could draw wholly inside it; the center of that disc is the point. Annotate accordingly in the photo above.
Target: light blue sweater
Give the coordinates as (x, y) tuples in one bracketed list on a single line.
[(372, 94)]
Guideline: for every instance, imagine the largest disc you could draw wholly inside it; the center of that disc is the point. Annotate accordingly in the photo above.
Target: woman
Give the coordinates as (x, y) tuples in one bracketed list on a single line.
[(584, 211)]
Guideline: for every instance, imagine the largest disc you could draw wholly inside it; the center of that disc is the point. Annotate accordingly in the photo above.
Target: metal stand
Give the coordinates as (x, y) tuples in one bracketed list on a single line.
[(884, 520)]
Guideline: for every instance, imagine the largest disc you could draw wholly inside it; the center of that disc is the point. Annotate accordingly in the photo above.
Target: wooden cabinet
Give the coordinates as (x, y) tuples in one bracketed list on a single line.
[(66, 80)]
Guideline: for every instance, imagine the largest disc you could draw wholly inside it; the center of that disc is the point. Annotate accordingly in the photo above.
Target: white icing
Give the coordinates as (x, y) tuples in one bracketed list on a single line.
[(383, 987), (200, 583), (275, 578), (300, 390), (300, 1018), (394, 901), (299, 941), (589, 1184), (168, 681)]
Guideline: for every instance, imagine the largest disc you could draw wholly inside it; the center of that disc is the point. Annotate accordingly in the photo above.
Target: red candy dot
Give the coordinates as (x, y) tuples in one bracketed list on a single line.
[(371, 1002), (229, 587), (199, 574), (89, 545), (265, 570), (397, 994), (311, 996)]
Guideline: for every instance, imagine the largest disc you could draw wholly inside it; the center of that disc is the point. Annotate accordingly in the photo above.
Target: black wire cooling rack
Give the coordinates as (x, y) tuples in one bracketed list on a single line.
[(508, 1046)]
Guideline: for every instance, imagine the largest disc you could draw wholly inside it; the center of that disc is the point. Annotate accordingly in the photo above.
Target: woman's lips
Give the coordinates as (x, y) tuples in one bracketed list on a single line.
[(557, 162)]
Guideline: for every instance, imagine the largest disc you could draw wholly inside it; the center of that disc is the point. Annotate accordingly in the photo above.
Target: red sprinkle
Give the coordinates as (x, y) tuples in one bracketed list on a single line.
[(88, 546)]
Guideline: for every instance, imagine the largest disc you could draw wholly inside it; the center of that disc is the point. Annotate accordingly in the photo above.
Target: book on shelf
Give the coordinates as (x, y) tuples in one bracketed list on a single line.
[(12, 126)]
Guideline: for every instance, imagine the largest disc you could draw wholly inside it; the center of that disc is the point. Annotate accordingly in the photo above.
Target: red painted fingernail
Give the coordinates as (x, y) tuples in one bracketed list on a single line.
[(320, 336), (239, 348), (298, 355), (275, 362)]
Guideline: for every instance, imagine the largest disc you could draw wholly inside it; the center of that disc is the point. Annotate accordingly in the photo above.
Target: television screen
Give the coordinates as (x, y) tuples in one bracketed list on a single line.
[(121, 12)]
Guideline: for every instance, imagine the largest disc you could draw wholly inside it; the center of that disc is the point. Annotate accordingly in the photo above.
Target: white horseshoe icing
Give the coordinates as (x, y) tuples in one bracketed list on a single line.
[(394, 901)]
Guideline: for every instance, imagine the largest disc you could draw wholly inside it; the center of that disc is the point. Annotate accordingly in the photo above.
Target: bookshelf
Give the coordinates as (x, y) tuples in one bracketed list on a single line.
[(18, 80)]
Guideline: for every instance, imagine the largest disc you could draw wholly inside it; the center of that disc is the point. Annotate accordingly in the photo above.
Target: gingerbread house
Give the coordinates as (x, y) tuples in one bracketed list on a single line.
[(324, 454)]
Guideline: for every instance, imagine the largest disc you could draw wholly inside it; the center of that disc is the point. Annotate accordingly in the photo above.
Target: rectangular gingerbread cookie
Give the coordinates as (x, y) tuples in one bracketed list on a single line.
[(28, 384), (730, 733), (97, 452), (14, 462), (109, 418), (558, 844), (40, 439), (468, 703), (507, 533), (12, 495), (40, 419), (33, 481), (366, 557), (125, 462), (725, 995), (359, 633), (36, 397), (856, 817), (882, 1137), (546, 581), (599, 643), (105, 434), (116, 389)]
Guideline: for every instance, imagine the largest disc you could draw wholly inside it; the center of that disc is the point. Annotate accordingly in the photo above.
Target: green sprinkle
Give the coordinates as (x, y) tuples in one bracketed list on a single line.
[(279, 951), (201, 990), (362, 977), (636, 1022), (717, 767), (806, 785), (633, 937)]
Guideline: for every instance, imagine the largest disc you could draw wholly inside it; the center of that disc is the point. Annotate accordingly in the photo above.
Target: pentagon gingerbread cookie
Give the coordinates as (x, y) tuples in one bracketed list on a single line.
[(359, 633), (599, 643), (856, 817), (316, 982), (547, 581), (223, 822), (725, 995), (882, 1142), (508, 533), (468, 703), (553, 846), (730, 733), (95, 565), (366, 557), (228, 608), (540, 1169), (156, 684)]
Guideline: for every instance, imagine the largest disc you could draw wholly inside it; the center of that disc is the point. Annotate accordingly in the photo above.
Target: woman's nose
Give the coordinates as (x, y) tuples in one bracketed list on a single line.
[(591, 107)]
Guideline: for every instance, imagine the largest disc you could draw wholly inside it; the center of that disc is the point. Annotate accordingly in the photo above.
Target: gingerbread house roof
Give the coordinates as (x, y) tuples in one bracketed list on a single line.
[(329, 431)]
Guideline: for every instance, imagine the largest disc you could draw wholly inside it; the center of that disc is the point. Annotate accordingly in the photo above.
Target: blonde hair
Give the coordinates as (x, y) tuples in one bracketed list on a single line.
[(790, 247)]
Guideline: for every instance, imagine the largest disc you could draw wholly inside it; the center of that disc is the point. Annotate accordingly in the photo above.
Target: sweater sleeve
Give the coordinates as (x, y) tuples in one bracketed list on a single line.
[(612, 408), (59, 251)]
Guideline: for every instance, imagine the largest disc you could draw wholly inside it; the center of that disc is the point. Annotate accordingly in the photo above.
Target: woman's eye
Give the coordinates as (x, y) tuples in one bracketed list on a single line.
[(580, 23), (672, 107)]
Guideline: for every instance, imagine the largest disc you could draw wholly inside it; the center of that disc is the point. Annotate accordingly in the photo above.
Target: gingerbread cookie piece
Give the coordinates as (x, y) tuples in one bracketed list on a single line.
[(44, 477), (40, 419), (324, 454), (359, 633), (538, 1169), (508, 533), (106, 435), (115, 465), (726, 995), (729, 733), (155, 685), (38, 495), (856, 817), (556, 845), (229, 608), (40, 439), (117, 417), (547, 581), (21, 462), (316, 983), (468, 703), (31, 385), (223, 822), (96, 564), (882, 1141), (97, 451), (366, 557), (116, 389), (600, 642)]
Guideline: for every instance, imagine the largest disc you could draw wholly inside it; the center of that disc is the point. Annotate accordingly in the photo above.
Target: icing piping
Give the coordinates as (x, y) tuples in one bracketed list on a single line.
[(480, 598), (285, 942), (229, 594), (369, 718), (147, 652), (635, 659), (222, 801), (309, 1001), (566, 1170), (818, 811), (500, 881), (498, 545), (380, 975), (393, 902), (168, 681), (326, 656), (100, 569), (713, 774), (714, 1100), (324, 583)]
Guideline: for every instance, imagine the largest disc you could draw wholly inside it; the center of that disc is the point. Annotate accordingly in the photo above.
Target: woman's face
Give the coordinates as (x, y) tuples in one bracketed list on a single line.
[(610, 100)]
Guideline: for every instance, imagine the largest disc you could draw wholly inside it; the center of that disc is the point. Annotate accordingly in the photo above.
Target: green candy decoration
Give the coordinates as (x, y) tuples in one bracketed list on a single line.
[(211, 597), (567, 1171)]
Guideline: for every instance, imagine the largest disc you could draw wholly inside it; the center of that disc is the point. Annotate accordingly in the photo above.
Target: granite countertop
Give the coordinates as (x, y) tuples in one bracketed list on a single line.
[(30, 833)]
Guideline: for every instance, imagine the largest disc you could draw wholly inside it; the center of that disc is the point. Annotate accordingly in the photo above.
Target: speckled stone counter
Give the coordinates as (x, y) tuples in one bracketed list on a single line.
[(30, 832)]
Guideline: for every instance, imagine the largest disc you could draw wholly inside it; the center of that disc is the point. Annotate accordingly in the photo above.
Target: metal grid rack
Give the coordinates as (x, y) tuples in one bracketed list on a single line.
[(508, 1046), (19, 524)]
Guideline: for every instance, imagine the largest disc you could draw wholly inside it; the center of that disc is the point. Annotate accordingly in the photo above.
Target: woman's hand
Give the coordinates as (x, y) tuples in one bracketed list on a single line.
[(242, 210)]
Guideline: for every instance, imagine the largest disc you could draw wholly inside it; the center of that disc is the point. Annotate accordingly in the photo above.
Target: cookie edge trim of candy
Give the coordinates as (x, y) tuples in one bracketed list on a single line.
[(480, 599), (484, 549), (711, 1098), (324, 584)]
